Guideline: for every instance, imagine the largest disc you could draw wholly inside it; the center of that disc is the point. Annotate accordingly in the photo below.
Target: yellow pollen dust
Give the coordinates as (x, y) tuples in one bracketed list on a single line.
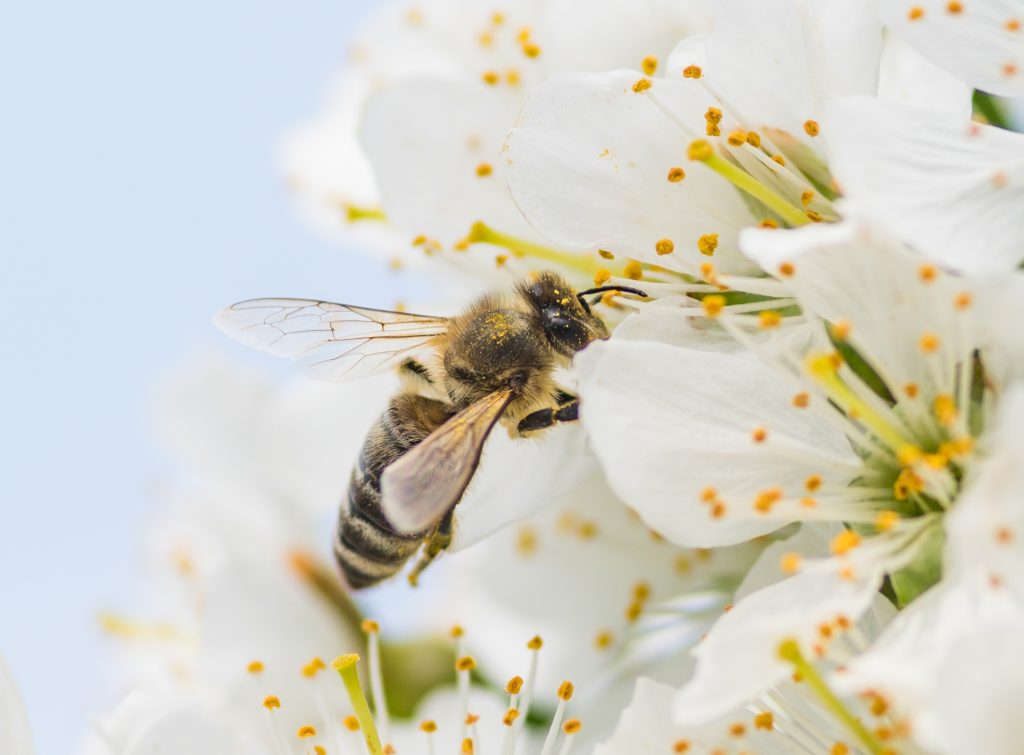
[(572, 726), (254, 667), (801, 400), (699, 149), (649, 64), (886, 520), (692, 72), (514, 685), (351, 723), (954, 7), (811, 128), (633, 270), (753, 139), (759, 435), (428, 726), (927, 273), (642, 85), (535, 643), (664, 246), (676, 174), (713, 305), (768, 319), (929, 343), (465, 663), (565, 690), (764, 721), (845, 542), (916, 13), (962, 300), (484, 169), (737, 138), (490, 77), (306, 731), (790, 563), (707, 244), (270, 702)]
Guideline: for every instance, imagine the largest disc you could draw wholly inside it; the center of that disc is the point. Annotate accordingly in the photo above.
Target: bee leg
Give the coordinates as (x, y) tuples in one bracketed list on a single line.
[(544, 418), (564, 397), (438, 541)]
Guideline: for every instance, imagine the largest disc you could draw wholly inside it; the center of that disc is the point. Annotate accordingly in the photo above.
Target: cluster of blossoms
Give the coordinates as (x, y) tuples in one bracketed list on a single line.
[(791, 518)]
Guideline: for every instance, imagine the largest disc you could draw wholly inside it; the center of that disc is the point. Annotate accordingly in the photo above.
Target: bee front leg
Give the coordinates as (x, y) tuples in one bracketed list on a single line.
[(545, 418), (438, 541)]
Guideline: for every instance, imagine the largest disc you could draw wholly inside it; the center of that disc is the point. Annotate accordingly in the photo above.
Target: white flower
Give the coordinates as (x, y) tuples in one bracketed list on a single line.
[(981, 42), (15, 735)]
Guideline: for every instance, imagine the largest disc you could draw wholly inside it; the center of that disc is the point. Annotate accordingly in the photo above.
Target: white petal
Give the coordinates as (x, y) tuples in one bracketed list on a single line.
[(909, 78), (810, 541), (426, 140), (588, 162), (15, 734), (667, 423), (951, 188), (980, 44), (739, 658), (778, 63)]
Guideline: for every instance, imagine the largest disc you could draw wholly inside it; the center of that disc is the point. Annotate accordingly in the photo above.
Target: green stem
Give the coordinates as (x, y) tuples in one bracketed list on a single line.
[(345, 665), (746, 182), (789, 651)]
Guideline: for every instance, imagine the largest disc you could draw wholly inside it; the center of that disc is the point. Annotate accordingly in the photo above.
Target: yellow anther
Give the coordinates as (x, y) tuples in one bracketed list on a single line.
[(718, 510), (350, 722), (737, 729), (428, 726), (649, 64), (676, 174), (713, 115), (801, 400), (641, 591), (737, 138), (497, 18), (1010, 69), (471, 718), (845, 542), (759, 435), (531, 50), (911, 390), (419, 240), (605, 254), (309, 670), (602, 276), (490, 77), (699, 149), (664, 246), (764, 500), (909, 455), (707, 244), (944, 407), (879, 705), (633, 611), (841, 330), (254, 667), (1012, 24), (692, 72), (565, 690), (886, 520), (787, 269), (604, 640), (962, 300), (465, 663), (812, 483), (535, 643), (811, 128), (814, 217), (764, 720), (512, 77), (954, 7), (712, 129), (713, 305), (320, 750), (456, 631), (806, 198), (790, 563), (929, 343), (270, 702), (808, 503), (1004, 535), (514, 685), (907, 483), (369, 626), (500, 260), (753, 139), (708, 494), (927, 273), (633, 270), (484, 169), (572, 726), (467, 746), (510, 716), (936, 461), (680, 746), (768, 319), (642, 85), (840, 748), (769, 223), (916, 13), (780, 160), (306, 731)]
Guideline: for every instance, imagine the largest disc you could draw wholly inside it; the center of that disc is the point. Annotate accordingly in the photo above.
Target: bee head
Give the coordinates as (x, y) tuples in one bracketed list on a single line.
[(565, 315)]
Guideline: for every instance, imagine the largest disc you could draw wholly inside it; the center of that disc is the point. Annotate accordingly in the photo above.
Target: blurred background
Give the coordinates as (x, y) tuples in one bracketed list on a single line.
[(140, 190)]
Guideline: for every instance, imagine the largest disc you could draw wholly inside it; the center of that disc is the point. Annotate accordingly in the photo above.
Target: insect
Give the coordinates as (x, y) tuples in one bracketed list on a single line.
[(492, 363)]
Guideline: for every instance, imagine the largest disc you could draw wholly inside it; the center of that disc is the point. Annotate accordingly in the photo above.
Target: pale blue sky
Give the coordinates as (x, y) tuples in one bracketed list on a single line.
[(138, 193)]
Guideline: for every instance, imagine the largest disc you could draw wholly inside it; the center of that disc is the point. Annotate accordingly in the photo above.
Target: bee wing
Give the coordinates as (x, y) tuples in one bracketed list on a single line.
[(419, 488), (330, 341)]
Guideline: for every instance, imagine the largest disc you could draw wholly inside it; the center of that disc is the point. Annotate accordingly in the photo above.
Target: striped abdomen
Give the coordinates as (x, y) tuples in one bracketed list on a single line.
[(367, 547)]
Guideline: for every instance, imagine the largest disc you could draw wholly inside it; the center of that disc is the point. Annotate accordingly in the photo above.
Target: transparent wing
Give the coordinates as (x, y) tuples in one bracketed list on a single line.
[(419, 488), (330, 341)]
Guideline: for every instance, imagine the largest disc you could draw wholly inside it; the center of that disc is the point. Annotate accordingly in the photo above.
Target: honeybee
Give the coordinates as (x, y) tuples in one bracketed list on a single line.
[(492, 363)]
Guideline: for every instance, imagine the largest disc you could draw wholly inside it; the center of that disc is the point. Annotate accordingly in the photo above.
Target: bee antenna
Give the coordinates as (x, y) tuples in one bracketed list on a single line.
[(602, 289)]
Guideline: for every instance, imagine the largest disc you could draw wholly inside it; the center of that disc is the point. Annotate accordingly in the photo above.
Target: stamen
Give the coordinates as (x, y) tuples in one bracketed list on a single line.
[(380, 703), (692, 72), (707, 244), (664, 246), (811, 128), (649, 64), (676, 174), (345, 665), (789, 651), (481, 233), (255, 667), (571, 727), (355, 213), (272, 703), (642, 85), (633, 270), (484, 169), (565, 692)]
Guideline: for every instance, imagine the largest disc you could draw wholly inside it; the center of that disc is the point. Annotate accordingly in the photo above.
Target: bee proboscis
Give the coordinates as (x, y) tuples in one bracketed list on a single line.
[(494, 362)]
